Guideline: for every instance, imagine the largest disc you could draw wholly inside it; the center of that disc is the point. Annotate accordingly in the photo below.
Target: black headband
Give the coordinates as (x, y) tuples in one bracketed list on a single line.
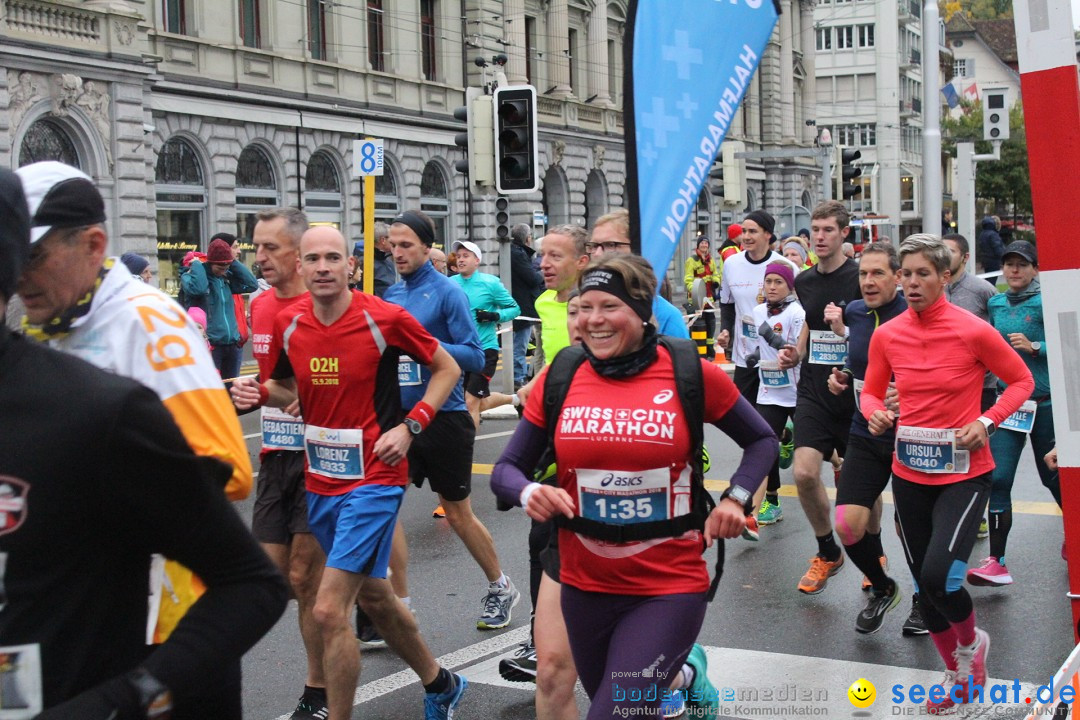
[(609, 281), (419, 224)]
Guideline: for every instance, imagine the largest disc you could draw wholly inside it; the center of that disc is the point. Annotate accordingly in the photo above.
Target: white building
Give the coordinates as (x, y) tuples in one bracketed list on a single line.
[(869, 94), (192, 115), (984, 56)]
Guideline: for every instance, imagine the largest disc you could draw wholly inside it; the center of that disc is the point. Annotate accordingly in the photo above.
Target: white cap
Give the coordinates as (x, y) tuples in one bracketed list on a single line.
[(59, 196), (471, 247)]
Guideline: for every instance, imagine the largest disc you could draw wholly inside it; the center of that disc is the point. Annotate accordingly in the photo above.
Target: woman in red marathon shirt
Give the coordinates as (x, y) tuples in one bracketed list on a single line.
[(622, 448), (938, 353)]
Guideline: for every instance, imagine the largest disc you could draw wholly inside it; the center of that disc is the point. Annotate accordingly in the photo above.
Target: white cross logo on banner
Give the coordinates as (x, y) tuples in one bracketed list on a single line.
[(687, 105), (682, 54), (659, 122)]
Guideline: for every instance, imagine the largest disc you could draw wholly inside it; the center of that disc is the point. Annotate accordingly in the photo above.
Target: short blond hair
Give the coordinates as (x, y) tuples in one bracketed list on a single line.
[(619, 219)]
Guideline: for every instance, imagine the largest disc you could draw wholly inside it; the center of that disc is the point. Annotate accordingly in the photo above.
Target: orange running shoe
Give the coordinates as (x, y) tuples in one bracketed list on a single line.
[(819, 573)]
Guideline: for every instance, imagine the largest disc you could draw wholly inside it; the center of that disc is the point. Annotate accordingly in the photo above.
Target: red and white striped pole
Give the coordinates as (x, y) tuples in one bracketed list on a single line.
[(1048, 81)]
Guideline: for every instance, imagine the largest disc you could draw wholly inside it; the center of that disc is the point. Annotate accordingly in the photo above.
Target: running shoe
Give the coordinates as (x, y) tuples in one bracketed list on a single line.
[(873, 615), (441, 706), (947, 704), (521, 666), (866, 584), (914, 625), (787, 445), (366, 633), (673, 705), (750, 530), (971, 660), (769, 513), (311, 707), (818, 575), (990, 572), (498, 603), (438, 512), (702, 699), (984, 530)]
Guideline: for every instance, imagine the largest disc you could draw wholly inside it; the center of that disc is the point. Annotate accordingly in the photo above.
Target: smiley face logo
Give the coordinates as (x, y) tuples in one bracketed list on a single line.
[(862, 693)]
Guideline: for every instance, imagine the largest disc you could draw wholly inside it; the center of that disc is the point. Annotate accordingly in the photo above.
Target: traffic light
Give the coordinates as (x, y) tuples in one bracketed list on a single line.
[(502, 219), (845, 172), (516, 148), (477, 141), (995, 114)]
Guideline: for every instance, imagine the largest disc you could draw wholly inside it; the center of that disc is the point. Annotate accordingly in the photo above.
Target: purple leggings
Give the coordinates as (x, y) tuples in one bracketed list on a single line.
[(628, 648)]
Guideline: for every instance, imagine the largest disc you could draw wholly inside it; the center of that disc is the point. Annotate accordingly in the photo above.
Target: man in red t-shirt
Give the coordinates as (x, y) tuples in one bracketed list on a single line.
[(337, 350)]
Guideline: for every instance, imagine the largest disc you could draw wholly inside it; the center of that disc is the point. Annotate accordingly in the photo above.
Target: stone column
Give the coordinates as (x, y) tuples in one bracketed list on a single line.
[(558, 26), (514, 17), (809, 97), (787, 79), (598, 56)]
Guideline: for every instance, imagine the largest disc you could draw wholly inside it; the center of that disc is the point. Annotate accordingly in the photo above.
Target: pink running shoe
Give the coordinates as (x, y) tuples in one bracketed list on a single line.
[(971, 661), (991, 573), (947, 704)]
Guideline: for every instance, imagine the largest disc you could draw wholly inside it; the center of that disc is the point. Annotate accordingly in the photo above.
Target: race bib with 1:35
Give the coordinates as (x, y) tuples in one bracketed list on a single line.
[(930, 450), (335, 453), (622, 497), (1023, 420), (827, 348)]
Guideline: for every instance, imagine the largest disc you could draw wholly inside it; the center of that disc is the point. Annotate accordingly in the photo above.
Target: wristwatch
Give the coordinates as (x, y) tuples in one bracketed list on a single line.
[(154, 698), (991, 428), (414, 426), (1036, 348), (740, 495)]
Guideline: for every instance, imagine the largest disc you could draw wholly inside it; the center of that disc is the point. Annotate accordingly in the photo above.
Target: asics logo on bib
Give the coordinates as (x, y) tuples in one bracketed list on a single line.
[(662, 397), (621, 480)]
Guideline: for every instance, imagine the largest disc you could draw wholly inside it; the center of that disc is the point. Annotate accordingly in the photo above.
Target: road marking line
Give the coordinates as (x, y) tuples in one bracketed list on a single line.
[(495, 435), (466, 655)]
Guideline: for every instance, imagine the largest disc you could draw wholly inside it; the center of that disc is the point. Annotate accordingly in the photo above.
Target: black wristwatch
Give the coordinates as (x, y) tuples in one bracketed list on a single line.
[(740, 495), (154, 698), (414, 426)]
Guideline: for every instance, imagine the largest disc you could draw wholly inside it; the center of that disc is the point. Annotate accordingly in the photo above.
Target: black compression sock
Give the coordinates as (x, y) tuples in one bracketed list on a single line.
[(827, 547), (875, 542), (442, 682), (774, 498), (315, 693), (1000, 525), (865, 556)]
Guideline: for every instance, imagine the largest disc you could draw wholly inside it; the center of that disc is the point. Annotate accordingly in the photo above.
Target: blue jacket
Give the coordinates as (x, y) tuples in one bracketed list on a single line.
[(990, 247), (669, 319), (443, 310), (861, 323), (221, 327), (486, 292)]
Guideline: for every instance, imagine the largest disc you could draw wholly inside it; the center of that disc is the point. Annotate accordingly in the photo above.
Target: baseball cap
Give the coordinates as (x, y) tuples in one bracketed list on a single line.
[(471, 247), (59, 196), (14, 232), (1022, 248)]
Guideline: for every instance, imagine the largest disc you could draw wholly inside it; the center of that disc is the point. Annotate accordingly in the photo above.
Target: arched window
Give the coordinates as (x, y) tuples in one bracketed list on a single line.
[(47, 140), (256, 188), (435, 200), (181, 209), (387, 200), (322, 190), (596, 203), (555, 197)]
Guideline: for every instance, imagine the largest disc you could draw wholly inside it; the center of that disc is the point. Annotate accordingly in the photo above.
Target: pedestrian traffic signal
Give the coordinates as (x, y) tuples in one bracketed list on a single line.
[(995, 114), (844, 173), (477, 141), (516, 148), (502, 219)]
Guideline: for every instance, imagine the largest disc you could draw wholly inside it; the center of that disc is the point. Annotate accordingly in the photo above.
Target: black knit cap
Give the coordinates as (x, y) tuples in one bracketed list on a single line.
[(14, 231), (419, 223), (764, 219)]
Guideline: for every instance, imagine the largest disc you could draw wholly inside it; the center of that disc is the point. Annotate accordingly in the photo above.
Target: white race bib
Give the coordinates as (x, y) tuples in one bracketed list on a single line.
[(408, 372), (773, 377), (335, 453), (1023, 420), (858, 385), (930, 450), (281, 431), (749, 330), (827, 348), (623, 497), (20, 682)]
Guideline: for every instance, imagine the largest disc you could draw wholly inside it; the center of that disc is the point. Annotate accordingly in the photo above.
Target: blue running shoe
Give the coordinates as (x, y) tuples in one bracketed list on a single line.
[(441, 706), (674, 705), (702, 698)]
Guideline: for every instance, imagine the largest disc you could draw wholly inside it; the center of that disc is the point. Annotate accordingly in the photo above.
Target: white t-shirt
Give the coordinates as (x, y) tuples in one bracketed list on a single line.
[(742, 284), (778, 387)]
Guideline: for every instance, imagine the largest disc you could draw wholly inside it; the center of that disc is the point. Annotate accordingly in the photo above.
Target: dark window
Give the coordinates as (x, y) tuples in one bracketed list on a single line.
[(376, 39), (530, 45), (174, 16), (253, 170), (571, 46), (178, 165), (321, 175), (46, 140), (249, 23), (427, 37), (316, 17)]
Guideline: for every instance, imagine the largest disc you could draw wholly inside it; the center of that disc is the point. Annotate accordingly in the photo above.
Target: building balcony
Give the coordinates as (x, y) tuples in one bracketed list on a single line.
[(908, 11), (101, 30), (911, 107)]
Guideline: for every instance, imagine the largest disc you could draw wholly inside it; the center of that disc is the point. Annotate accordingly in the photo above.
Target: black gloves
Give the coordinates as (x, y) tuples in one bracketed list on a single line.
[(486, 316)]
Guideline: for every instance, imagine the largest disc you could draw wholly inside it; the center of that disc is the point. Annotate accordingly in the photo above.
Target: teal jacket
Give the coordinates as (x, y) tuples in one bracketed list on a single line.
[(486, 292), (221, 328), (1023, 313)]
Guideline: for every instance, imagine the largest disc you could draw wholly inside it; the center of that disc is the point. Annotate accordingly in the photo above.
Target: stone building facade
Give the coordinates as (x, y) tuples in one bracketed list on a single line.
[(192, 115)]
